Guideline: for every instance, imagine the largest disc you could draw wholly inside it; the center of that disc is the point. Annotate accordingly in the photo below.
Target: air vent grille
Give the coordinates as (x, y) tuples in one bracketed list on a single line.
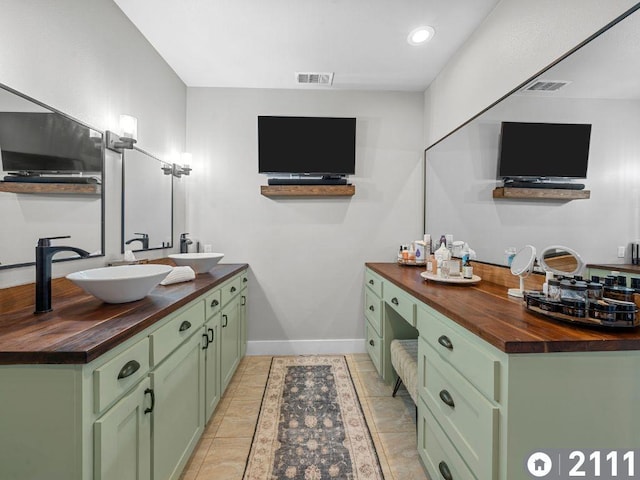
[(314, 78), (545, 85)]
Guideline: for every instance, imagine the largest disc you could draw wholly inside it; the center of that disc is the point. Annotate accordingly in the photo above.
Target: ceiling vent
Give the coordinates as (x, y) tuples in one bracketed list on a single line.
[(314, 78), (545, 85)]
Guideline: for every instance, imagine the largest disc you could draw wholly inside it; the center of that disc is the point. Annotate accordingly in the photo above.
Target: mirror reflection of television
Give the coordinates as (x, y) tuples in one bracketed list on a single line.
[(48, 143), (306, 145), (543, 150)]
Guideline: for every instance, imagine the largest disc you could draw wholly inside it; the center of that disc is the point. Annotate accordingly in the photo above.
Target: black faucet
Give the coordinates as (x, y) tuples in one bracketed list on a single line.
[(44, 255), (144, 240), (184, 243)]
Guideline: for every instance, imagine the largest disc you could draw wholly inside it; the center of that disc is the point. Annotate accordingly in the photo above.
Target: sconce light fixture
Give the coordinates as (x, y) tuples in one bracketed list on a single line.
[(178, 170), (129, 129)]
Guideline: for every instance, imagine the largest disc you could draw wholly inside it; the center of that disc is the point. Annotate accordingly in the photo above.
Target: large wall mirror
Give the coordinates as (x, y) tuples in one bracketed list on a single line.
[(38, 140), (601, 89), (147, 202)]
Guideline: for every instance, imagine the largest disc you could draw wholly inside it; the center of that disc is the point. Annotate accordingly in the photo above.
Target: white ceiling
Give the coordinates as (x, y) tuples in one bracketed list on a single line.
[(262, 43)]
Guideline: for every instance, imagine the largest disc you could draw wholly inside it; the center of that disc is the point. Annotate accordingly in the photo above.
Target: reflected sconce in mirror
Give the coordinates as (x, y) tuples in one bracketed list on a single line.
[(129, 129)]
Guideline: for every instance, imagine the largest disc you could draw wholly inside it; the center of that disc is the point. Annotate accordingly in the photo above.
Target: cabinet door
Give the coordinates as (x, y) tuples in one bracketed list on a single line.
[(211, 353), (229, 342), (122, 438), (243, 321), (178, 414)]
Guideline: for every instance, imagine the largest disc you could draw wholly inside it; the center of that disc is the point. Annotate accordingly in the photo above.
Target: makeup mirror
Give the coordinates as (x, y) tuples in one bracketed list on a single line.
[(561, 260), (522, 266)]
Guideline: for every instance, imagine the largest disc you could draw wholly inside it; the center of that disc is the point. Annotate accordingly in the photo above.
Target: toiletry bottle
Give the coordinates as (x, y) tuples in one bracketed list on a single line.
[(405, 254), (467, 269), (400, 255), (427, 244), (412, 254)]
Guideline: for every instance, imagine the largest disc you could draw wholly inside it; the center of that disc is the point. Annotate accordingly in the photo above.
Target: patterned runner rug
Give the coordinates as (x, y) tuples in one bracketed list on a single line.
[(311, 425)]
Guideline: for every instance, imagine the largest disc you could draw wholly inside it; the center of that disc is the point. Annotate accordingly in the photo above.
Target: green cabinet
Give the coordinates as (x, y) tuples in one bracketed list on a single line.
[(178, 413), (229, 341), (136, 412), (122, 437)]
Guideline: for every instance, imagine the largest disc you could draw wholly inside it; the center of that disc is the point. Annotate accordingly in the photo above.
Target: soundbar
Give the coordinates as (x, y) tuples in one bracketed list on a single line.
[(559, 185), (307, 181), (38, 179)]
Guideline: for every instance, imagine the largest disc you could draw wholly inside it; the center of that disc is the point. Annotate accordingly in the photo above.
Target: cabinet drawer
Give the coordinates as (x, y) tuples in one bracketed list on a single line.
[(118, 375), (467, 417), (438, 454), (374, 346), (373, 310), (244, 279), (401, 302), (168, 337), (230, 289), (469, 356), (212, 303), (374, 282)]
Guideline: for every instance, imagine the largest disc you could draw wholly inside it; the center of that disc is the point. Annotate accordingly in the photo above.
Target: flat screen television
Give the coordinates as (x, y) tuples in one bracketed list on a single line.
[(543, 150), (306, 145), (48, 143)]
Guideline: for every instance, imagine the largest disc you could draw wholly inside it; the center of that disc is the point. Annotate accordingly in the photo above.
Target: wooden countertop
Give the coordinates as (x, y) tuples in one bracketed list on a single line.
[(81, 327), (621, 267), (486, 310)]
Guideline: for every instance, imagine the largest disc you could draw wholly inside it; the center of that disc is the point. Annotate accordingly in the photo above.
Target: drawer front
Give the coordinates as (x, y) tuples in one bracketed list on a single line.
[(471, 358), (374, 282), (231, 289), (467, 417), (118, 375), (438, 454), (244, 279), (212, 303), (401, 302), (374, 346), (373, 310), (168, 337)]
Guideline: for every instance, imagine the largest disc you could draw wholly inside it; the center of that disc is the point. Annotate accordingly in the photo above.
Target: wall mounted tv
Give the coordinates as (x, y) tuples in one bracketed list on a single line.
[(543, 150), (306, 145), (49, 143)]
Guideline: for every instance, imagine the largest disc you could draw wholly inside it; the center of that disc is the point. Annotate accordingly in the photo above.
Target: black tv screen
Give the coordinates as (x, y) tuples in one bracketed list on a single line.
[(306, 145), (48, 143), (543, 150)]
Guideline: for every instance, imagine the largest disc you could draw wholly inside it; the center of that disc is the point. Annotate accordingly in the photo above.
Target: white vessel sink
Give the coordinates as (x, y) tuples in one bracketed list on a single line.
[(121, 284), (200, 262)]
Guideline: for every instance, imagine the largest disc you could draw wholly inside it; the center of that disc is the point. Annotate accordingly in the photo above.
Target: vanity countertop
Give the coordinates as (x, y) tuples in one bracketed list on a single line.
[(485, 310), (81, 328), (620, 267)]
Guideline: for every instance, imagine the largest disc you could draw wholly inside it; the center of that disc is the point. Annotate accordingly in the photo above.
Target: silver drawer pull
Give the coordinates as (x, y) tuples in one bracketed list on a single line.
[(444, 471), (394, 300), (186, 325), (128, 369), (445, 396), (445, 342), (371, 282), (372, 343), (371, 308)]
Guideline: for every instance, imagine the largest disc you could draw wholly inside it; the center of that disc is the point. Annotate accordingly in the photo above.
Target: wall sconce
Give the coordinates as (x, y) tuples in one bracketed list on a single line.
[(178, 170), (129, 129)]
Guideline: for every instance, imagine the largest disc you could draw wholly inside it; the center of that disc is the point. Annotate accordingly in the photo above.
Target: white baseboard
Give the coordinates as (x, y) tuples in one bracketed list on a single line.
[(305, 347)]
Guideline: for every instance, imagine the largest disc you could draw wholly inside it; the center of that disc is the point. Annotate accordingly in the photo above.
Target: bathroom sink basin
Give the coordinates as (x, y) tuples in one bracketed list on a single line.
[(121, 284), (200, 262)]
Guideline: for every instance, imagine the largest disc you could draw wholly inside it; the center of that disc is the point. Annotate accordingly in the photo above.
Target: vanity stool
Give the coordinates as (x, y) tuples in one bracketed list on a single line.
[(404, 358)]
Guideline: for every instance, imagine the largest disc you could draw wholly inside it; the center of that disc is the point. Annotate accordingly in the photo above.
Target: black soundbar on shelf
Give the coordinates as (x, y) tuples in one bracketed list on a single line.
[(307, 181), (39, 179), (547, 185)]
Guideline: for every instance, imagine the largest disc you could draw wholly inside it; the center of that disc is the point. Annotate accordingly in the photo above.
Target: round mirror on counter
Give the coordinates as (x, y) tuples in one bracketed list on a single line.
[(522, 266), (561, 260)]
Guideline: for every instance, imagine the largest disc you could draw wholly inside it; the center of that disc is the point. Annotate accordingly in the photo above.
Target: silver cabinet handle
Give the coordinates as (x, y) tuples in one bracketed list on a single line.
[(445, 342), (445, 396)]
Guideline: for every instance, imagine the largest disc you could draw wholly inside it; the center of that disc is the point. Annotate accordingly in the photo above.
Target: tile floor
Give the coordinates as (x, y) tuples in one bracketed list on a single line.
[(224, 447)]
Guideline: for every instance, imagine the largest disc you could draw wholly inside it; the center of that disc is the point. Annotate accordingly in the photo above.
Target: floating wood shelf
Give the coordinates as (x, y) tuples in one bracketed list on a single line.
[(308, 190), (540, 193), (58, 188)]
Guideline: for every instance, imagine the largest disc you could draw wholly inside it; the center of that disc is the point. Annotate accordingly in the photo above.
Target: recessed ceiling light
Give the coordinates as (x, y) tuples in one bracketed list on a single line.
[(421, 35)]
